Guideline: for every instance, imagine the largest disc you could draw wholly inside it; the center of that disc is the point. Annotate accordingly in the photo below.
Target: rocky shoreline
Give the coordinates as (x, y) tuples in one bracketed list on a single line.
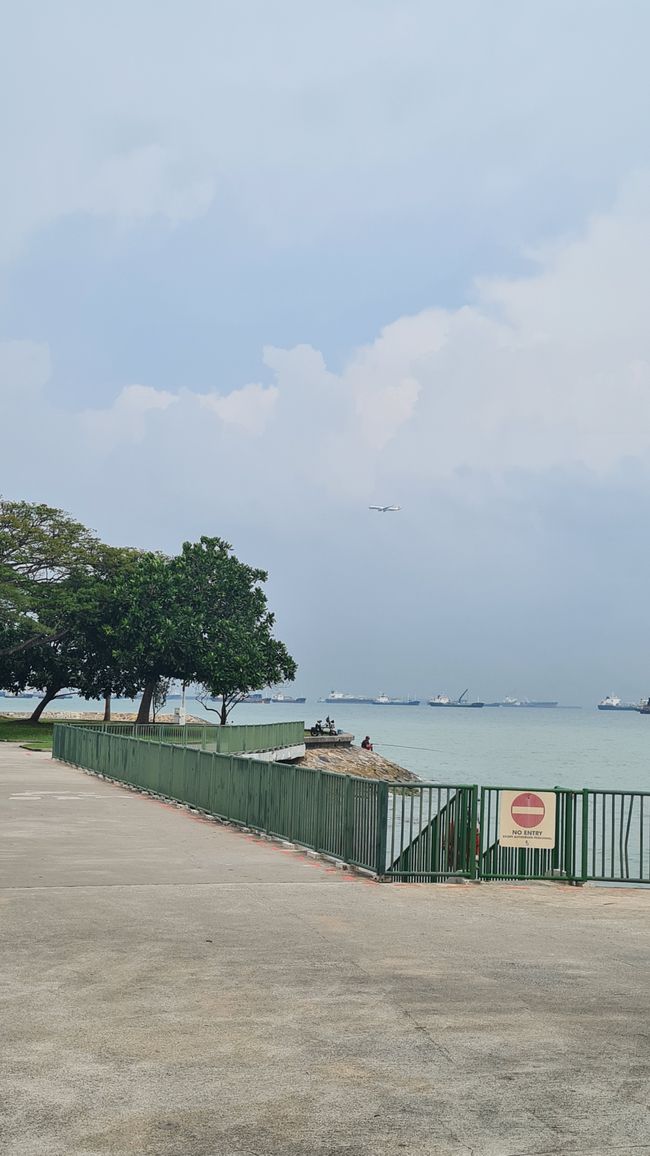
[(355, 761)]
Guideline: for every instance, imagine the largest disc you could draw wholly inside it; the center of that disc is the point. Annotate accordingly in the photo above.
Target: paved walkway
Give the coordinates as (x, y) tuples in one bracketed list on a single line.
[(171, 987)]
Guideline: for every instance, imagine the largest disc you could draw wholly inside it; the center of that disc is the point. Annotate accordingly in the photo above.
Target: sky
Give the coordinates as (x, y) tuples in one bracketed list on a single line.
[(263, 264)]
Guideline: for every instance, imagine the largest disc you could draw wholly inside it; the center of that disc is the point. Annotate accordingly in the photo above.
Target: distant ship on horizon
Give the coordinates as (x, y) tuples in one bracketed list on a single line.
[(338, 698), (613, 702), (461, 701), (384, 700), (525, 702)]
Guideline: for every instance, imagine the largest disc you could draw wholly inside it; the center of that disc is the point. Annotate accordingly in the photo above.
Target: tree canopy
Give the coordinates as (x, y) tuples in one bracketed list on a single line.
[(227, 628), (105, 620), (41, 549)]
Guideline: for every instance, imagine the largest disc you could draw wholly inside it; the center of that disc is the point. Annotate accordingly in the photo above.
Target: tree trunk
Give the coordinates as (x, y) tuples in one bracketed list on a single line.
[(224, 712), (47, 698), (107, 708), (145, 703)]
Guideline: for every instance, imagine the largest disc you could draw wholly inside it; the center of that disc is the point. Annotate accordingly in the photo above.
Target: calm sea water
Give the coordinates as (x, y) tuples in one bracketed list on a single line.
[(502, 747)]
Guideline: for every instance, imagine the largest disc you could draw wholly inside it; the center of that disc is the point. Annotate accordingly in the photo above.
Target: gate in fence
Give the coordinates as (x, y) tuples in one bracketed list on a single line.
[(431, 832)]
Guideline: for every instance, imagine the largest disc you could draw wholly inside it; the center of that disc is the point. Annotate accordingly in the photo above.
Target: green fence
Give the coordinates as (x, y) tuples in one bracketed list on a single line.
[(436, 831), (600, 836), (334, 814), (224, 740), (431, 832), (402, 832), (497, 862)]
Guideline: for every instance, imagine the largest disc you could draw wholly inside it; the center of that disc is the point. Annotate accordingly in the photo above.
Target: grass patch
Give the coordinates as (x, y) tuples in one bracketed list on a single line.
[(35, 736)]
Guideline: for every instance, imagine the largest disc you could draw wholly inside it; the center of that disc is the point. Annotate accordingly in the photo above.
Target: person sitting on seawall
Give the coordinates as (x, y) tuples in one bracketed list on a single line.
[(366, 744)]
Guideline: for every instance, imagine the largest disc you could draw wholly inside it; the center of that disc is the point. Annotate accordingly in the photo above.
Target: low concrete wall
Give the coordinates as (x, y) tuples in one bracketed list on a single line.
[(283, 755)]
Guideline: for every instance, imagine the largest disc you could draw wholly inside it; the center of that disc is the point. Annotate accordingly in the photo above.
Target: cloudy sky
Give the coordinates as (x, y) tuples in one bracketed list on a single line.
[(264, 262)]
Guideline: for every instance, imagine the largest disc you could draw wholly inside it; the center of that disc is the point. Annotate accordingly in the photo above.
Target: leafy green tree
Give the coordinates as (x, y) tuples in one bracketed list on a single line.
[(159, 697), (57, 605), (145, 635), (200, 617), (226, 628), (78, 612), (41, 547), (101, 670)]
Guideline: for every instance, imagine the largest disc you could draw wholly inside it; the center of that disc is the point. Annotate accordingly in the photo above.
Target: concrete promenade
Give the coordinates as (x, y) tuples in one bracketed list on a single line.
[(171, 987)]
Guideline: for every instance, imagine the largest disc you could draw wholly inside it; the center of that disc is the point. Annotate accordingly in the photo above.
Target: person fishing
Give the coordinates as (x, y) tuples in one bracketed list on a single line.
[(366, 744)]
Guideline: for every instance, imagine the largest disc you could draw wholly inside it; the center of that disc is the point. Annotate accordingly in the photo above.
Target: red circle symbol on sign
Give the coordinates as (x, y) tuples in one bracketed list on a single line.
[(527, 810)]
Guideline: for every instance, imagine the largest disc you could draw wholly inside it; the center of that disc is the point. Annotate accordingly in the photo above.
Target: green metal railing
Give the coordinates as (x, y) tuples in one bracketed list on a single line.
[(497, 862), (334, 814), (613, 836), (225, 740), (431, 832), (600, 836), (406, 832)]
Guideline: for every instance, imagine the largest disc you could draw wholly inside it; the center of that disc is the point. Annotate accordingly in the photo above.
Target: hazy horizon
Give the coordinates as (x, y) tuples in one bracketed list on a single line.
[(264, 265)]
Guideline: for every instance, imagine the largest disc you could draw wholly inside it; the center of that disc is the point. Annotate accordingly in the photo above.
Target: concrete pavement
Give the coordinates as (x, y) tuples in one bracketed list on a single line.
[(171, 987)]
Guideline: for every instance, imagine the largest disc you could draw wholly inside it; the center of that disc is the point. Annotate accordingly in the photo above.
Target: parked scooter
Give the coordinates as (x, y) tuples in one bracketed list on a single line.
[(328, 729)]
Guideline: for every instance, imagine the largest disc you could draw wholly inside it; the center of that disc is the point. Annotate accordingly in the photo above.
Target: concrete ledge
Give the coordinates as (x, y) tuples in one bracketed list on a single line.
[(281, 755), (343, 740)]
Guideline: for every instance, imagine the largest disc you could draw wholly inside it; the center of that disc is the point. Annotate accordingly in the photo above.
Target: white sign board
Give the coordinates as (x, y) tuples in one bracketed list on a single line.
[(527, 819)]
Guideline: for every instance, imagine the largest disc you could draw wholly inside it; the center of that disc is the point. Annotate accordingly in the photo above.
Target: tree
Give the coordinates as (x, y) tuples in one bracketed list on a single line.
[(96, 617), (159, 697), (40, 548), (198, 617), (146, 633), (107, 620), (226, 626), (57, 602), (79, 609)]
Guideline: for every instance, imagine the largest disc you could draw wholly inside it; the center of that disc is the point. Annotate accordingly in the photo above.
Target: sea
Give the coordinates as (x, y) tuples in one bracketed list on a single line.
[(493, 746)]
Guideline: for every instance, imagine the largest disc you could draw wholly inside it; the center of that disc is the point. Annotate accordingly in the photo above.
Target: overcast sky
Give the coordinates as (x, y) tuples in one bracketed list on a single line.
[(264, 262)]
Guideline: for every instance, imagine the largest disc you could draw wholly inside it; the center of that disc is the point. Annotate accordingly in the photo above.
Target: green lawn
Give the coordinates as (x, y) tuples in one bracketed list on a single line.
[(34, 736)]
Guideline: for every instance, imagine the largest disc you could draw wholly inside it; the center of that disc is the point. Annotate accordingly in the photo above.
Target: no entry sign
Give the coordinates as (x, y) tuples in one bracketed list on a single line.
[(527, 819)]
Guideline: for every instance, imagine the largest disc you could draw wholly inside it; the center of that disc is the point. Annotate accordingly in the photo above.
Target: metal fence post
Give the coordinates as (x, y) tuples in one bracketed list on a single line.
[(474, 834), (382, 828), (584, 858), (348, 839), (570, 835)]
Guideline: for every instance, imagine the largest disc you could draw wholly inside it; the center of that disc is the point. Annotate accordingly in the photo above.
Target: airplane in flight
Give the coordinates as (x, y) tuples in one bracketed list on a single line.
[(385, 509)]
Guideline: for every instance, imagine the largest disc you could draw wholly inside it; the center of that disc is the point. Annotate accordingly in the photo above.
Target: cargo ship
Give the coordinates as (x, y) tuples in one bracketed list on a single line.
[(612, 702), (337, 698), (525, 702), (461, 701), (282, 699), (384, 700)]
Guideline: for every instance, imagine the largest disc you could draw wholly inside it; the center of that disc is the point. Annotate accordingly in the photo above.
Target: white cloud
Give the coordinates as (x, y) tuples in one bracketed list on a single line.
[(126, 420), (514, 431), (540, 372), (249, 408)]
